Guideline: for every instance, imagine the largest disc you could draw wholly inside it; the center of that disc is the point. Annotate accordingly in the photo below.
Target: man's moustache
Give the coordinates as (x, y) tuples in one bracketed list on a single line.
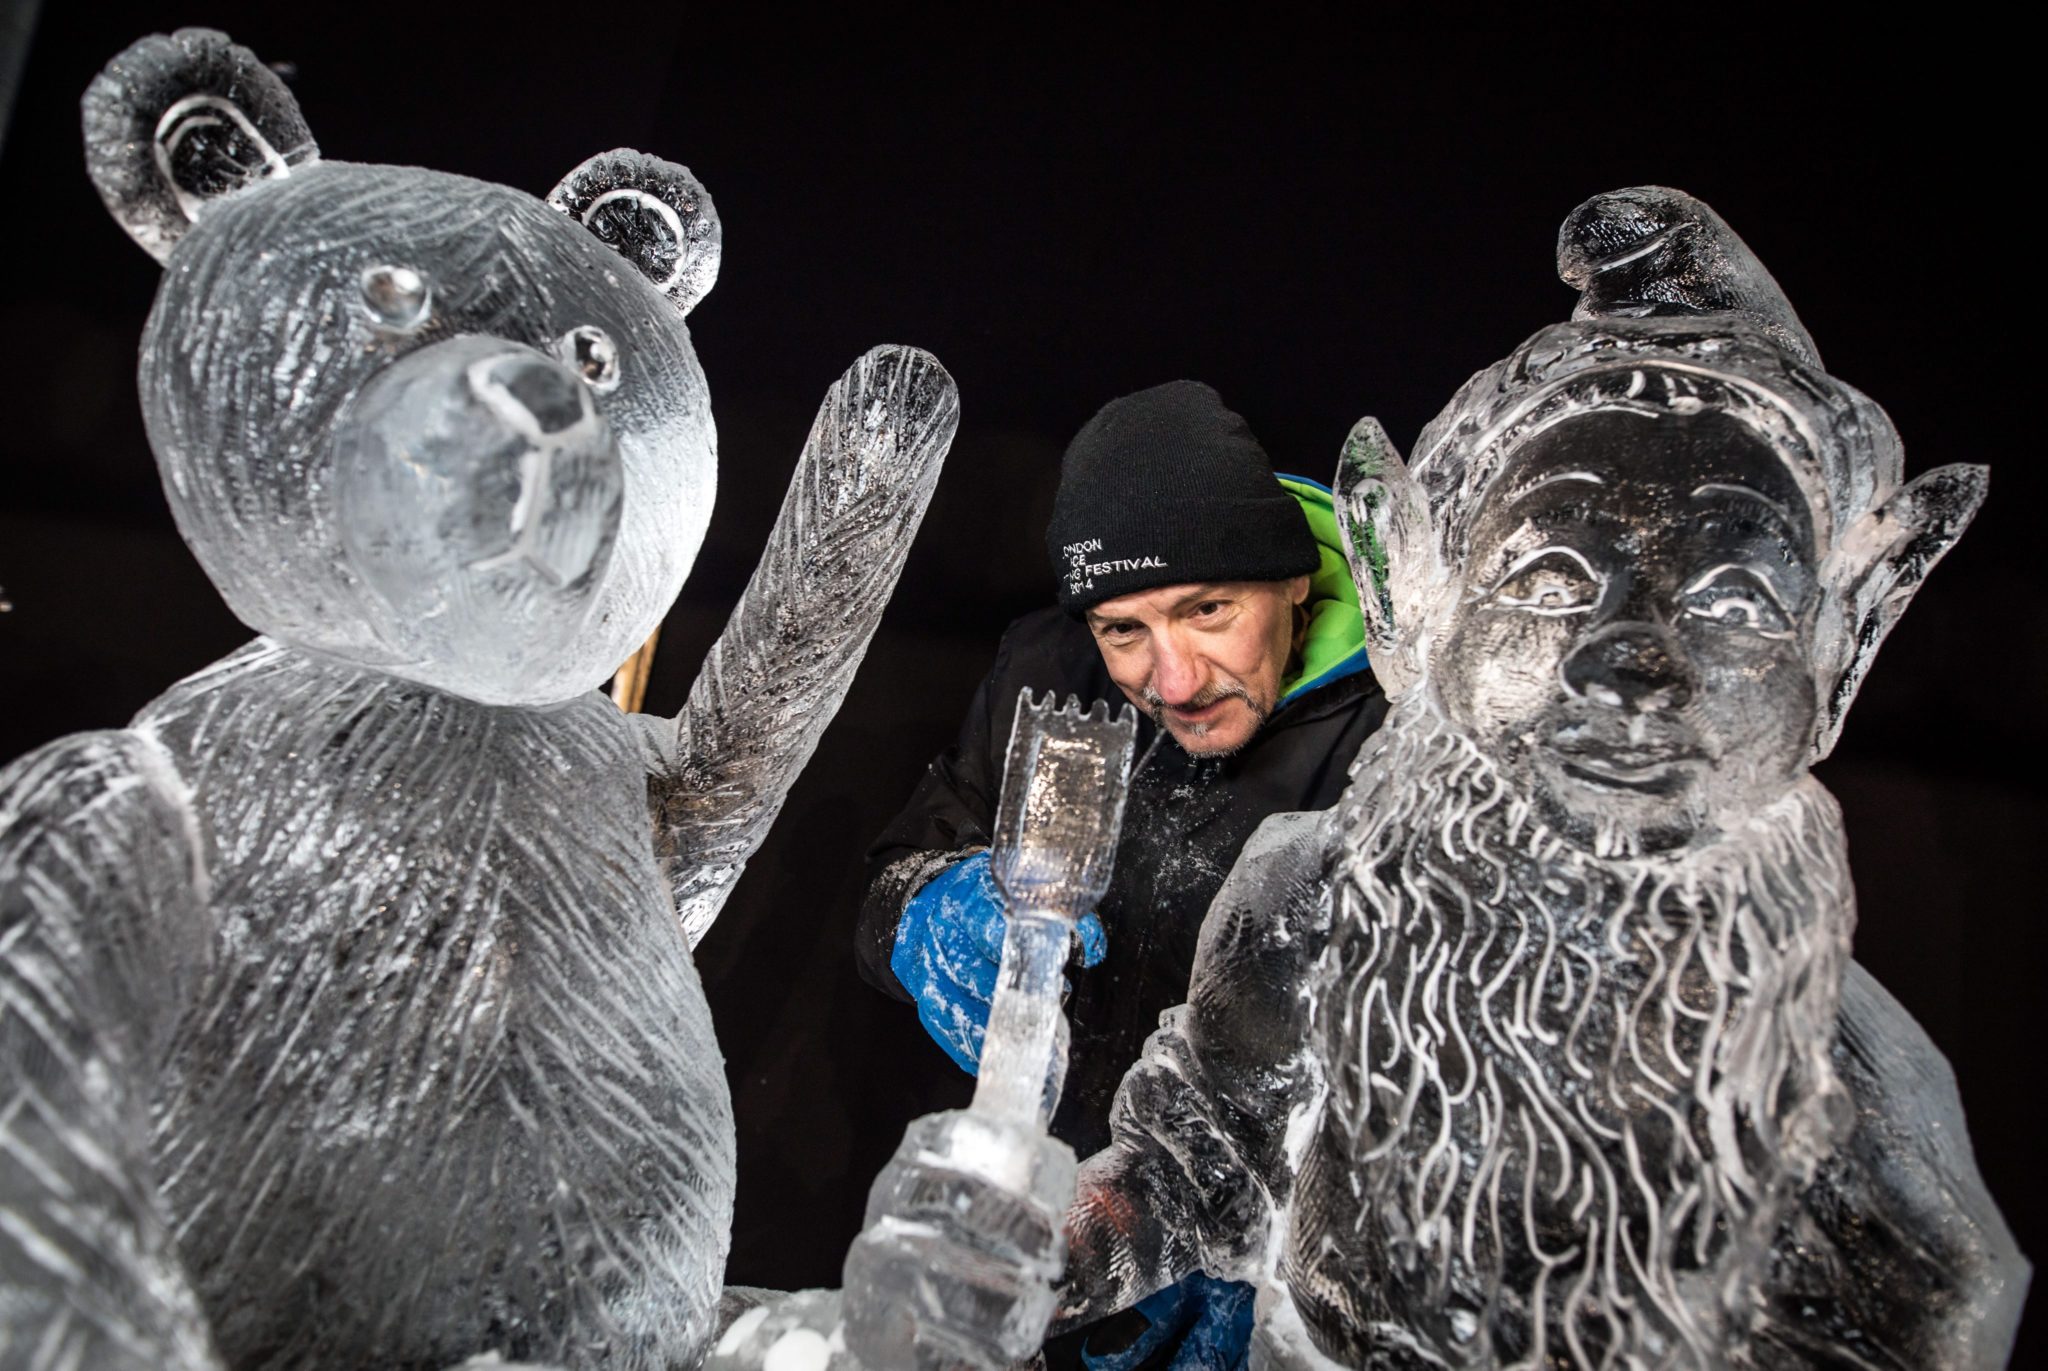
[(1155, 704)]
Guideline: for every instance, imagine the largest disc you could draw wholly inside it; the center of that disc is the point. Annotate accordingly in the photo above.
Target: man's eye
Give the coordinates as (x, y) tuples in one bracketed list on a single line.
[(1208, 609), (1118, 630), (1554, 581), (1733, 597)]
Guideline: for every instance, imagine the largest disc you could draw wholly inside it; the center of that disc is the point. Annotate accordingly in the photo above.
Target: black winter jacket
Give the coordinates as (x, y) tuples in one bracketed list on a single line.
[(1184, 823)]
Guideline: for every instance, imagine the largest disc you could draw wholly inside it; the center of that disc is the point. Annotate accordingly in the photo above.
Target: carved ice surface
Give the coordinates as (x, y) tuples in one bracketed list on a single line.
[(963, 1234), (663, 224), (93, 971), (1543, 1048), (181, 119), (774, 679), (1065, 778), (347, 1015), (455, 1064), (962, 1244), (1578, 1090)]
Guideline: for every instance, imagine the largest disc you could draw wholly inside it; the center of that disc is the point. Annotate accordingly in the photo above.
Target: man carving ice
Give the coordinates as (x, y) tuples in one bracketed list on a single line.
[(1215, 597), (1195, 583), (1543, 1048)]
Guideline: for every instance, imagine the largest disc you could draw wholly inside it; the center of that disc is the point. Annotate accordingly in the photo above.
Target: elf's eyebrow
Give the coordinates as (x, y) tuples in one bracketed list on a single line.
[(1732, 488), (1554, 478)]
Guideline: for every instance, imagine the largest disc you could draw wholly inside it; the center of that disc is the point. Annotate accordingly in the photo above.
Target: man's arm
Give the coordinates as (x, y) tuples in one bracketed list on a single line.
[(948, 818), (1200, 1166)]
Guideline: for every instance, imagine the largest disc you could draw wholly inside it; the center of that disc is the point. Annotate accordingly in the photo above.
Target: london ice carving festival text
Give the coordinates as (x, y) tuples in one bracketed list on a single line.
[(347, 1013)]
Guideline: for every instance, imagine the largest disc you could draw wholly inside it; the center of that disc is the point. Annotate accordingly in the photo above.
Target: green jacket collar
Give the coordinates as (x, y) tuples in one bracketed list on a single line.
[(1334, 646)]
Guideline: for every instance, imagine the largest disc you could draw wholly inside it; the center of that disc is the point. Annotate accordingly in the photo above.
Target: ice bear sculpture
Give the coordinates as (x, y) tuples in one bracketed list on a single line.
[(1543, 1048), (347, 1013)]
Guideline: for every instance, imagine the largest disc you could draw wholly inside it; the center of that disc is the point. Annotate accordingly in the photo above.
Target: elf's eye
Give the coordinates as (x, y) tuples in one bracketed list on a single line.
[(1735, 597), (1551, 580), (396, 298)]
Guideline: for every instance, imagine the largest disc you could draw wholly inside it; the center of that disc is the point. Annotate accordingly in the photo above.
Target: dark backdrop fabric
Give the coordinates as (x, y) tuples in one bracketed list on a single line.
[(1323, 214)]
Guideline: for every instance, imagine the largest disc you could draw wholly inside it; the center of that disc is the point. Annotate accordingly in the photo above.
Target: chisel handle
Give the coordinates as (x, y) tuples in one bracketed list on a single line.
[(1023, 1058)]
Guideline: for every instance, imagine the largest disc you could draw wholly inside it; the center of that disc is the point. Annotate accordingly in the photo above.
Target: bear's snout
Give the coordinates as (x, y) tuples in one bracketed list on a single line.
[(478, 484), (533, 392)]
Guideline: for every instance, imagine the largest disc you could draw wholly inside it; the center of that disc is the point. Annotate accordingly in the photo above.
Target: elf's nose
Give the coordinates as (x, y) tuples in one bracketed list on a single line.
[(1632, 666)]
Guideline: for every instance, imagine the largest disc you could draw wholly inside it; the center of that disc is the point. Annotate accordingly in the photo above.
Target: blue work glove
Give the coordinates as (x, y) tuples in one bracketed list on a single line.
[(1207, 1322), (949, 945)]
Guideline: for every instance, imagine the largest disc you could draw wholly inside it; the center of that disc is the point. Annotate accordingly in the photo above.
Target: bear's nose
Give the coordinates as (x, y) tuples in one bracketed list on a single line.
[(555, 398)]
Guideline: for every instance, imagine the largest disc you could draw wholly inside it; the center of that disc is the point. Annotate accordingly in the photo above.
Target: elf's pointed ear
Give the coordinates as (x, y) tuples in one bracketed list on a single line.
[(180, 120), (654, 213), (1392, 551), (1871, 576)]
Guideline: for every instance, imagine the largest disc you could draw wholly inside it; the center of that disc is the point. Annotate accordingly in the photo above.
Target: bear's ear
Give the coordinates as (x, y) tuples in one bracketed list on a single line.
[(176, 122), (654, 213)]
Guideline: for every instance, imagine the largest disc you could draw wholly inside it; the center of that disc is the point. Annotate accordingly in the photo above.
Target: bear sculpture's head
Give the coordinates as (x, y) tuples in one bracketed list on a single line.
[(422, 423)]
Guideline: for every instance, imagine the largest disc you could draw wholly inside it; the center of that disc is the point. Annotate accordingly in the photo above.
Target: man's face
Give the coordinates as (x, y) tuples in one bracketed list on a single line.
[(1632, 644), (1205, 661)]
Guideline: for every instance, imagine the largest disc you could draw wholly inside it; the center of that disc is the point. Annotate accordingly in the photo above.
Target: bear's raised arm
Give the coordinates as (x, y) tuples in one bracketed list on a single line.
[(104, 934), (720, 770), (1198, 1168)]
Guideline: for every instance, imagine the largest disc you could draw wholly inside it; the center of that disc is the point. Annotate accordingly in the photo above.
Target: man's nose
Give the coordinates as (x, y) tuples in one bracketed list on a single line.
[(1634, 666), (1178, 674)]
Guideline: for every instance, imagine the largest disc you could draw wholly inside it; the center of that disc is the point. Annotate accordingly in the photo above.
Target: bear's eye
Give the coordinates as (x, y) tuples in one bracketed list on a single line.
[(593, 354), (396, 297)]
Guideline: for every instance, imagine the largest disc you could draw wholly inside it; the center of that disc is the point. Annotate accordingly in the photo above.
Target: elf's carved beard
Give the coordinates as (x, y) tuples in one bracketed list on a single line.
[(1568, 1095)]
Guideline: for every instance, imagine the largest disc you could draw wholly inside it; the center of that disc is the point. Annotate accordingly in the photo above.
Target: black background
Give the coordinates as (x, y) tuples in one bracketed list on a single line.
[(1323, 213)]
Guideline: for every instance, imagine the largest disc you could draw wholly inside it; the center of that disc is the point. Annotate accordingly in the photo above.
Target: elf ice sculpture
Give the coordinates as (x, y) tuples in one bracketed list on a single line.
[(347, 1015), (1544, 1048)]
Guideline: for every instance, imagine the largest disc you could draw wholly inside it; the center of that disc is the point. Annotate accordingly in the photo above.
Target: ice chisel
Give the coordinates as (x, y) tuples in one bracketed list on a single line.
[(1064, 784)]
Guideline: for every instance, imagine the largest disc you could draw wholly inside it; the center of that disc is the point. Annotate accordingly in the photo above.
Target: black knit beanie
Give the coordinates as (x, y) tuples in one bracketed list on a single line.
[(1167, 487)]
